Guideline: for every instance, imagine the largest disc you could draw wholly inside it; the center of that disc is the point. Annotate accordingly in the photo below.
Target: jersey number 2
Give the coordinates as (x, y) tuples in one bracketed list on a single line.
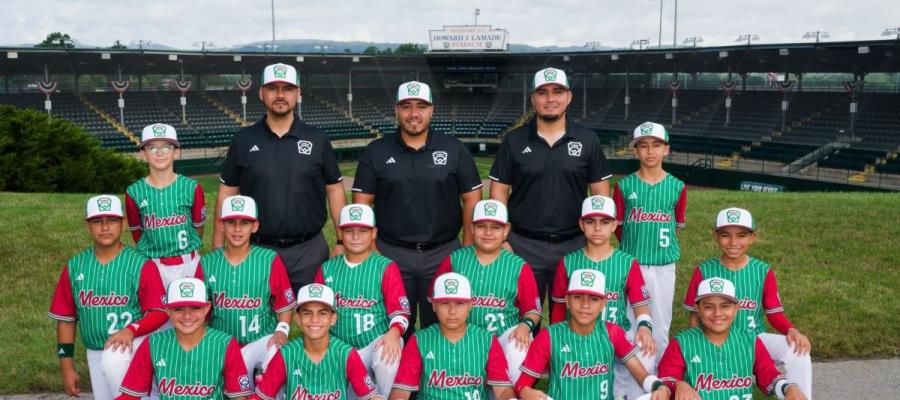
[(114, 319)]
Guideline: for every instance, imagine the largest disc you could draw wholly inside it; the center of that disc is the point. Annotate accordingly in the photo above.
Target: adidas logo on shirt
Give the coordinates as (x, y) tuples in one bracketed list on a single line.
[(161, 362), (632, 196), (297, 372), (80, 277), (254, 148), (565, 349), (143, 203), (695, 359), (212, 279), (527, 150), (61, 352), (329, 279), (430, 356), (391, 161)]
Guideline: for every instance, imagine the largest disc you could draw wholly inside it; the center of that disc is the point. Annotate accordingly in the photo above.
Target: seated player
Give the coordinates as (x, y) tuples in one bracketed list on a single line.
[(757, 293), (115, 295), (251, 294), (580, 351), (316, 365), (713, 361), (372, 308), (624, 283), (505, 300), (452, 359), (191, 359)]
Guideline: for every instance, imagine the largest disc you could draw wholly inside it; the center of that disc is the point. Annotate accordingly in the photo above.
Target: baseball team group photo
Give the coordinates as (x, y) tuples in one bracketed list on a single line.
[(468, 219)]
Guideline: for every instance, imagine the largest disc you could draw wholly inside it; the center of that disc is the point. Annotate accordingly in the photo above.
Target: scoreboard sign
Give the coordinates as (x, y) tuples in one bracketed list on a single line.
[(467, 38)]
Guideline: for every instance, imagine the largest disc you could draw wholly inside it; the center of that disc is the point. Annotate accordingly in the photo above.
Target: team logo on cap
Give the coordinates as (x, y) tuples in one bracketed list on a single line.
[(575, 149), (597, 203), (490, 209), (104, 204), (186, 289), (304, 147), (355, 213), (159, 130), (280, 71), (646, 129), (550, 75), (716, 286), (413, 89), (587, 278), (315, 291), (734, 216), (237, 204), (439, 157), (451, 286)]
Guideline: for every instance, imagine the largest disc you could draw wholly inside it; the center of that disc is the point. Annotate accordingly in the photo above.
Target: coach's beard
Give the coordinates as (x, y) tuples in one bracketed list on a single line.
[(550, 117)]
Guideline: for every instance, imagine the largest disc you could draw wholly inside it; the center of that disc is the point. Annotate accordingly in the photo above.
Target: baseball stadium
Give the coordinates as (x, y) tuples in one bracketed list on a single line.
[(805, 135)]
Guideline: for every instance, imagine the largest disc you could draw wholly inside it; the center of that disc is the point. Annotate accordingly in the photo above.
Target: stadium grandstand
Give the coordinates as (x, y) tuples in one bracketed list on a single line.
[(799, 110)]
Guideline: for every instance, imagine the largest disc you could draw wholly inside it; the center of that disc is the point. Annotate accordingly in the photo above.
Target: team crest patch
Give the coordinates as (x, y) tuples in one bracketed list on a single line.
[(597, 203), (537, 300), (280, 71), (413, 89), (716, 285), (203, 213), (646, 129), (550, 75), (304, 147), (734, 216), (451, 286), (186, 289), (587, 278), (490, 209), (369, 383), (159, 130), (575, 149), (644, 291), (104, 204), (439, 157), (355, 213), (237, 204), (289, 295), (244, 382), (315, 291), (404, 303)]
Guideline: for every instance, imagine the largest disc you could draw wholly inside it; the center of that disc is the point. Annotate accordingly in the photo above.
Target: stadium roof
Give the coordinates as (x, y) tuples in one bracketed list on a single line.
[(831, 57)]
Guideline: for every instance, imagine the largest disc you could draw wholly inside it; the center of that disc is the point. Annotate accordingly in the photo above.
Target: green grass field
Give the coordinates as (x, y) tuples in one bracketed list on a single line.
[(834, 254)]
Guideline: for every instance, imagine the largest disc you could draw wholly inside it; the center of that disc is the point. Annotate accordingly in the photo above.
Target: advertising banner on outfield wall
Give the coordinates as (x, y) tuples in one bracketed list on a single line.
[(467, 38)]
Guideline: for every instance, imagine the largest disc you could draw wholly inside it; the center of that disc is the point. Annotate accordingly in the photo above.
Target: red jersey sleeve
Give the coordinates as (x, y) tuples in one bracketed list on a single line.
[(198, 209), (497, 366), (395, 301), (638, 295), (680, 208), (445, 267), (410, 369), (772, 305), (62, 307), (620, 210), (538, 356), (690, 302), (671, 366), (150, 289), (319, 278), (133, 215), (237, 382), (623, 348), (527, 299), (139, 378), (764, 368), (358, 376), (199, 272), (280, 287), (560, 283), (273, 379)]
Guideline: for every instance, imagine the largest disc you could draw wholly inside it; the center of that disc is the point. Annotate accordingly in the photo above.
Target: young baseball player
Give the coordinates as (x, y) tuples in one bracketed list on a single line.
[(115, 295), (505, 300), (715, 362), (650, 206), (191, 360), (251, 294), (452, 359), (316, 365), (624, 284), (581, 350), (757, 293), (372, 308), (165, 210)]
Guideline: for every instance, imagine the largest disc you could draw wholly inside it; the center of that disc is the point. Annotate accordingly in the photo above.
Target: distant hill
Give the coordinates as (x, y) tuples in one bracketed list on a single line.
[(357, 47)]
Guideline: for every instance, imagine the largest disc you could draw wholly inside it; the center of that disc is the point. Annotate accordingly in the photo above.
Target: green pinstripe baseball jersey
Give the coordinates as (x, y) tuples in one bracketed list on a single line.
[(194, 374), (166, 217), (581, 367), (719, 372), (308, 380), (749, 283), (649, 215)]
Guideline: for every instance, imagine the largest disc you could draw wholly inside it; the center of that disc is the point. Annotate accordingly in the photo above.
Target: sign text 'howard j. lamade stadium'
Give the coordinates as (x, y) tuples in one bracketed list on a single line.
[(467, 38)]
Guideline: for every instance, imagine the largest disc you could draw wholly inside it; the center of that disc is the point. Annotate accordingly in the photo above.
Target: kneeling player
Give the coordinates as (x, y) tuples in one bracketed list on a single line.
[(373, 312), (114, 293), (452, 359), (580, 352), (505, 300), (316, 365), (714, 362), (190, 359), (251, 294)]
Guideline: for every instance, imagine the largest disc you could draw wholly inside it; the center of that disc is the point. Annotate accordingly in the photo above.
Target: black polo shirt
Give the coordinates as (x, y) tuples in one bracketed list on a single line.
[(417, 192), (285, 175), (549, 183)]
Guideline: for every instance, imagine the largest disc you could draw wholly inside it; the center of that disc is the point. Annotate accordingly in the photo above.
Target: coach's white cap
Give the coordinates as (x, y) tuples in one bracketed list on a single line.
[(280, 73), (598, 206), (490, 210), (734, 216), (239, 207), (104, 205), (359, 215), (315, 293), (587, 281), (186, 292), (159, 132), (451, 287), (549, 76), (716, 287), (414, 91), (647, 130)]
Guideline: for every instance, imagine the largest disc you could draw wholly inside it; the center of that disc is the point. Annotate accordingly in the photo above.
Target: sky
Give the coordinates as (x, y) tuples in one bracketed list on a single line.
[(613, 23)]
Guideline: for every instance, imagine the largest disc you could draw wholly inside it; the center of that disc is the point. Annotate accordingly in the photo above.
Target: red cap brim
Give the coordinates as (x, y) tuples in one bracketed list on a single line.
[(597, 214), (316, 301), (490, 219), (737, 225), (355, 225), (243, 217), (587, 292), (103, 215), (698, 298), (446, 299), (186, 303)]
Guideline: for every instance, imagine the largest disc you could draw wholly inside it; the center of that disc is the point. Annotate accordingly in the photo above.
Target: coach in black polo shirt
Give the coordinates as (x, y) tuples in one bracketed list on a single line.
[(424, 186), (289, 168), (549, 163)]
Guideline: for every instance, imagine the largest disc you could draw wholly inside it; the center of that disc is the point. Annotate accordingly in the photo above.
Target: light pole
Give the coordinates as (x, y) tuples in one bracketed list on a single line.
[(140, 43), (640, 43), (273, 25), (203, 45), (747, 38), (593, 45), (693, 40), (817, 35), (660, 21), (476, 14), (892, 32)]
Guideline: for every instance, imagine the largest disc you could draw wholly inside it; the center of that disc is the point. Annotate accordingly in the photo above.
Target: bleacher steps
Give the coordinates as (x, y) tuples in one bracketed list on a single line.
[(111, 120), (341, 110), (223, 108)]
